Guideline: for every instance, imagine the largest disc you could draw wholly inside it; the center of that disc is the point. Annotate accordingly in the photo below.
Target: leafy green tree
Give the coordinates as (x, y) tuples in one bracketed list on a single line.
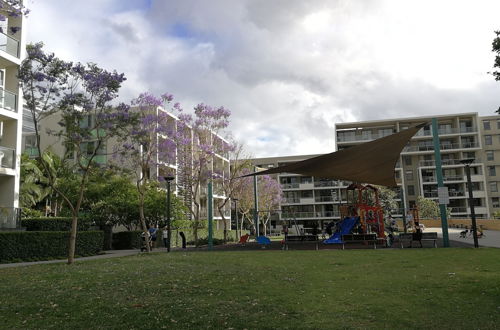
[(34, 188), (427, 208), (387, 198)]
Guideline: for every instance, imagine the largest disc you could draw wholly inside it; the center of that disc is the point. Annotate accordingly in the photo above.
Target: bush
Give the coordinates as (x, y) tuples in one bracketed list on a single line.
[(127, 240), (43, 245), (54, 224)]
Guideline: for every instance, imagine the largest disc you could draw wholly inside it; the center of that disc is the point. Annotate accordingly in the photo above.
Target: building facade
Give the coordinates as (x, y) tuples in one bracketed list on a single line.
[(167, 162), (462, 136), (12, 49)]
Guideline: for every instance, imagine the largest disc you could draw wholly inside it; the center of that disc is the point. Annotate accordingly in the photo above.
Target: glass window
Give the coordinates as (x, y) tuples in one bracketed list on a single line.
[(411, 190), (498, 124), (495, 202), (487, 140), (409, 175), (486, 124), (407, 160), (492, 171), (493, 187), (490, 155)]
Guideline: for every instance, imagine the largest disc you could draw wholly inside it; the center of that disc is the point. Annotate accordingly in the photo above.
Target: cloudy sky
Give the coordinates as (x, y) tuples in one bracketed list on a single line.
[(287, 69)]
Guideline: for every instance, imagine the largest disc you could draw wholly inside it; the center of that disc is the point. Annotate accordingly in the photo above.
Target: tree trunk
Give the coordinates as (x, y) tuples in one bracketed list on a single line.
[(143, 222), (72, 238)]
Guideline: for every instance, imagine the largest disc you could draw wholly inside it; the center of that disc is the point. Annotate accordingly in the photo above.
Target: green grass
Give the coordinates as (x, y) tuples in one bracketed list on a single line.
[(391, 289)]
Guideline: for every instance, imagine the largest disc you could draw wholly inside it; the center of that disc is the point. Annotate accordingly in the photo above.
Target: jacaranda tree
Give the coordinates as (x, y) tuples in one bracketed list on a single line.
[(80, 96)]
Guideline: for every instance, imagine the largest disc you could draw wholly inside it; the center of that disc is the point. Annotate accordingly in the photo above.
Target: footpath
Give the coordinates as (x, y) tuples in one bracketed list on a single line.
[(491, 238), (107, 254)]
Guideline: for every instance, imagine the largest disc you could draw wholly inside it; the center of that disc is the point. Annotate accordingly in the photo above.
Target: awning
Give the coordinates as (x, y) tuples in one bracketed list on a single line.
[(371, 162)]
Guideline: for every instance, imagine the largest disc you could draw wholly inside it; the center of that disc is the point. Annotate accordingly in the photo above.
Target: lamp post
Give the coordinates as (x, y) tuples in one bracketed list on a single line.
[(169, 233), (235, 200), (467, 163)]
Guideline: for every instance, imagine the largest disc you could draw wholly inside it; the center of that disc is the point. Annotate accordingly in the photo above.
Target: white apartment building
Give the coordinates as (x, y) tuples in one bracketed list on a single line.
[(166, 164), (462, 136), (12, 49)]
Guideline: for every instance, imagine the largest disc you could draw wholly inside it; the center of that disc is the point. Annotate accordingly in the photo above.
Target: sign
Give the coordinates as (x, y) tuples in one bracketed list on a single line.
[(444, 197)]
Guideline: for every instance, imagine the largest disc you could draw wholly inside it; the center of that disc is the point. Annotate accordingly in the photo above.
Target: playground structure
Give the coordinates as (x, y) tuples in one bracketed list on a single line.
[(362, 214)]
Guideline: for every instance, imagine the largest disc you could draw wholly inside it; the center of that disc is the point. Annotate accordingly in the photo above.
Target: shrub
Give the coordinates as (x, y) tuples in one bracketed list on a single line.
[(54, 224), (43, 245), (127, 240)]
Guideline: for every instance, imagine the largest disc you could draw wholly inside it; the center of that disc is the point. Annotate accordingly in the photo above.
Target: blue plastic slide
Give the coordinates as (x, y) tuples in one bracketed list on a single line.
[(346, 227), (263, 240)]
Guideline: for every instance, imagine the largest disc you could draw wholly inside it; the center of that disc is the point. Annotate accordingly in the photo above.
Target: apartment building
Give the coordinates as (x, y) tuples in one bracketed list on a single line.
[(307, 201), (461, 136), (12, 49), (167, 162)]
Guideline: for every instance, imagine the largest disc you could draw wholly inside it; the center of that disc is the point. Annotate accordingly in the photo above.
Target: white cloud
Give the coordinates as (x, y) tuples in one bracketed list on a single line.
[(288, 69)]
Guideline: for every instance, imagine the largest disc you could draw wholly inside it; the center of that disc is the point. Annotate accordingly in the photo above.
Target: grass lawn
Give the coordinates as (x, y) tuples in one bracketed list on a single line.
[(393, 289)]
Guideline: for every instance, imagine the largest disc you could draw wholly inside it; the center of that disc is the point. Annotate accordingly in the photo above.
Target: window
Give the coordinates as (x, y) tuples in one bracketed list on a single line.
[(498, 124), (407, 160), (495, 202), (487, 140), (409, 175), (493, 187), (385, 132), (411, 190), (490, 155), (492, 171), (486, 125)]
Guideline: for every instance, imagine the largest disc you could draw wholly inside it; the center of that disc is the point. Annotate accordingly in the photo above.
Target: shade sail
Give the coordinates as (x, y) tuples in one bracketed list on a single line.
[(371, 162)]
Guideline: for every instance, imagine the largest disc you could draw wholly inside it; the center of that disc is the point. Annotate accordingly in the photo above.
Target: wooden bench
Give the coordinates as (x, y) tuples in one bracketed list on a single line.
[(411, 237), (360, 238), (301, 239)]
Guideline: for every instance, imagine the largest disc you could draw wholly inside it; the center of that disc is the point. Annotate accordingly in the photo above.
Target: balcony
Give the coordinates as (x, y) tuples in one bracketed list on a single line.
[(446, 162), (451, 193), (7, 157), (297, 215), (448, 178), (289, 186), (325, 184), (8, 100), (320, 199), (446, 131), (449, 146), (9, 45), (291, 200)]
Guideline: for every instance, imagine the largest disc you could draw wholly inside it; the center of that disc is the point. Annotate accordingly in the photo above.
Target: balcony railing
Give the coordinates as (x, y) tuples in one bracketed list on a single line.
[(445, 131), (326, 183), (9, 44), (297, 215), (446, 178), (8, 100), (458, 210), (324, 198), (449, 146), (7, 157), (291, 200), (446, 162), (289, 185), (451, 193), (10, 218)]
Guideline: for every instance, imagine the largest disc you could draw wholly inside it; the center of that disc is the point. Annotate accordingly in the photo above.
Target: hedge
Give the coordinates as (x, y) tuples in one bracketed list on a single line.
[(132, 239), (54, 224), (43, 245)]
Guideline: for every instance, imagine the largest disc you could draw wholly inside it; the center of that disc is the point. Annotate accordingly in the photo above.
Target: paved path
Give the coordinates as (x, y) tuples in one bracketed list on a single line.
[(491, 238), (108, 254)]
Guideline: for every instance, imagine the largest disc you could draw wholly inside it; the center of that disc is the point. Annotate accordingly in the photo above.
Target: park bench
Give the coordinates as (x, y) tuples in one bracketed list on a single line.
[(411, 237), (301, 239), (360, 238)]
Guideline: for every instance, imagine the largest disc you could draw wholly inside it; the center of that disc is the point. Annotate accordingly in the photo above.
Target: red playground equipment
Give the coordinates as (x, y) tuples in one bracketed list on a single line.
[(365, 204)]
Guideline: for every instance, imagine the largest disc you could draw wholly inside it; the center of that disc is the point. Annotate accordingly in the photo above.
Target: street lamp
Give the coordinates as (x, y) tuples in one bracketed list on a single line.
[(236, 215), (169, 234), (467, 163)]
